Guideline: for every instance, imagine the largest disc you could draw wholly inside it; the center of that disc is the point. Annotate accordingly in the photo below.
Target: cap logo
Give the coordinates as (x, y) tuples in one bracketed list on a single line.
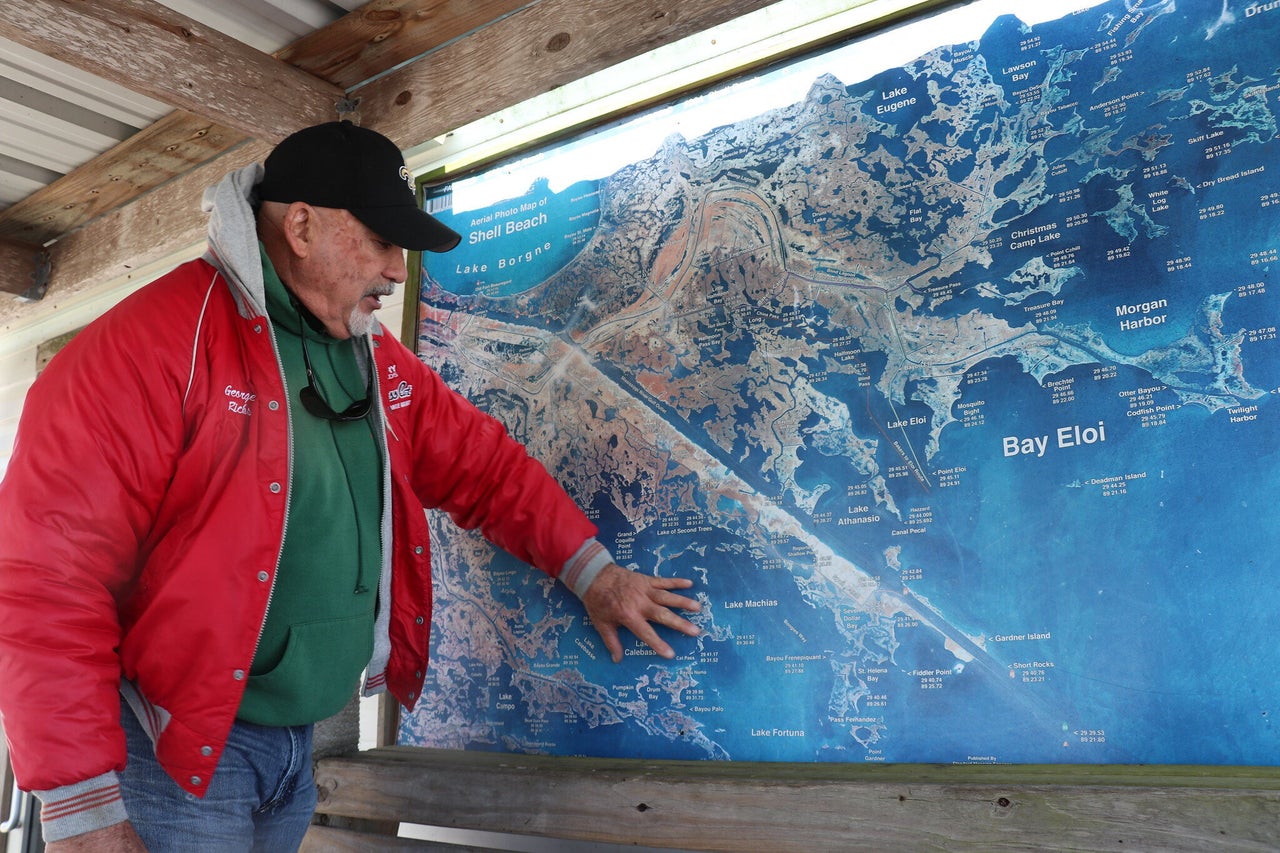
[(406, 177)]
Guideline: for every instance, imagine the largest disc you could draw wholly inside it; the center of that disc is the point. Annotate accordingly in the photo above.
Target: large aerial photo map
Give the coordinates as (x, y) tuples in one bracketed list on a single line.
[(951, 383)]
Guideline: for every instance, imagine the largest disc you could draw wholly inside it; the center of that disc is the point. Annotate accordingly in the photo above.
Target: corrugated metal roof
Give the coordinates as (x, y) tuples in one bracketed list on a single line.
[(54, 117)]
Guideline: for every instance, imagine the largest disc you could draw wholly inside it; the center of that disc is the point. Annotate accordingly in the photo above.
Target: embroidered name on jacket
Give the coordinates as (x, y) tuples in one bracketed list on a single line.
[(239, 401)]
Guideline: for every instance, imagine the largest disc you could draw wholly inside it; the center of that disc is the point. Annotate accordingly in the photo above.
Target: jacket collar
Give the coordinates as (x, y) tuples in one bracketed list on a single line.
[(233, 237)]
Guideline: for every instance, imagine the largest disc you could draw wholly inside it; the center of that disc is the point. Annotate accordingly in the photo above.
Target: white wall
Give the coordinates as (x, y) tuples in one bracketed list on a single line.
[(17, 369)]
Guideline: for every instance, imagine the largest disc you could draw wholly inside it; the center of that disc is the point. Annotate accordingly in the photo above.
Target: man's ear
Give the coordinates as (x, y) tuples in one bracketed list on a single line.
[(299, 225)]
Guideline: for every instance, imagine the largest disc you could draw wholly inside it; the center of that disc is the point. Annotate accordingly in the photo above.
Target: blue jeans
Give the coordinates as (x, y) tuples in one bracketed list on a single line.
[(262, 796)]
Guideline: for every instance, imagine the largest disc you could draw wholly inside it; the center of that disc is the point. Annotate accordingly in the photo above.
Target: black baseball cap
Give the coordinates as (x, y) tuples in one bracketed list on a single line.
[(353, 168)]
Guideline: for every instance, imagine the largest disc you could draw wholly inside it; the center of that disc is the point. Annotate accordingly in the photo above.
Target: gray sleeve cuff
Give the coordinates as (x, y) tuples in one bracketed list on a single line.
[(583, 567), (83, 807)]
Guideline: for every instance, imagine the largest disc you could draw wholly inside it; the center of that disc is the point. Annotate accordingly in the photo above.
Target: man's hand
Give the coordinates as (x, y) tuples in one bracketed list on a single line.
[(618, 597), (117, 838)]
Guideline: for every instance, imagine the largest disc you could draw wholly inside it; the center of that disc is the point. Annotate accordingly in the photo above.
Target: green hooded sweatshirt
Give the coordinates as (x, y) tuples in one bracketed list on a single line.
[(318, 635)]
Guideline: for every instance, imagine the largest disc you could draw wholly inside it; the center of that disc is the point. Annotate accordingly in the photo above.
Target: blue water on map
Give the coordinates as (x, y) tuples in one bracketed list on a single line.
[(1107, 600), (1094, 536)]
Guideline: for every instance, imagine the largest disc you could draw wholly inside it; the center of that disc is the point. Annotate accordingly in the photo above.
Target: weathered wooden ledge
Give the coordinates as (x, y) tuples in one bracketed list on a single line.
[(747, 806)]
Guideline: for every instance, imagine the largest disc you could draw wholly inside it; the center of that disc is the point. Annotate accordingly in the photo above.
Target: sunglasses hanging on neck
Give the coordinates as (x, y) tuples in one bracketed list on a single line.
[(311, 399)]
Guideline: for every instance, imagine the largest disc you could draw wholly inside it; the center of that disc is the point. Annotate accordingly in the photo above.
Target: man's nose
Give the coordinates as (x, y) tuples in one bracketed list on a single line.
[(397, 269)]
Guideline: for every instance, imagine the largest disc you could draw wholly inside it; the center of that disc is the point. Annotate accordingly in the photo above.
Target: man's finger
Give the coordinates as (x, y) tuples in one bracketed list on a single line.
[(670, 599), (611, 642), (644, 631), (671, 583), (684, 626)]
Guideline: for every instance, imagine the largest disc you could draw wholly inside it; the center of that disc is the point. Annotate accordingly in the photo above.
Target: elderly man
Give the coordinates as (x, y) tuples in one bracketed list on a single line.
[(211, 529)]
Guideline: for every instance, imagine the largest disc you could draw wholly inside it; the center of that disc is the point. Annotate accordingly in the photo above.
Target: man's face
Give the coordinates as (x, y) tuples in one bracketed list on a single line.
[(348, 270)]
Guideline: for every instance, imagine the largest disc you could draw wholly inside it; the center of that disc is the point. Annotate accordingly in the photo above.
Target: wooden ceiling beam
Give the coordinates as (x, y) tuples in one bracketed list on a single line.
[(541, 47), (385, 33), (23, 269), (175, 144), (162, 222), (122, 244), (149, 48)]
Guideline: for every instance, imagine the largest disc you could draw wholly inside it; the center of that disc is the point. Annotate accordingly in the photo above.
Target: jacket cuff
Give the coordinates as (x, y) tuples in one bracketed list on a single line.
[(83, 807), (583, 567)]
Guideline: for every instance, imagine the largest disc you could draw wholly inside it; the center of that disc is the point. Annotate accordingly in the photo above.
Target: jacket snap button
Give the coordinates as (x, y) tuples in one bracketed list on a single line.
[(419, 620), (418, 550), (195, 780), (275, 488), (238, 675), (206, 750), (263, 576), (273, 405)]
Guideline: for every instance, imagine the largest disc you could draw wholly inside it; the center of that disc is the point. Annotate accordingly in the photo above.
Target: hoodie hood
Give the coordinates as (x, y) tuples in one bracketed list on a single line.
[(233, 236)]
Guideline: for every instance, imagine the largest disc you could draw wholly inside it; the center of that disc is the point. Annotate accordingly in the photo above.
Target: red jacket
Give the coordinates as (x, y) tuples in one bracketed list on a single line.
[(143, 511)]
